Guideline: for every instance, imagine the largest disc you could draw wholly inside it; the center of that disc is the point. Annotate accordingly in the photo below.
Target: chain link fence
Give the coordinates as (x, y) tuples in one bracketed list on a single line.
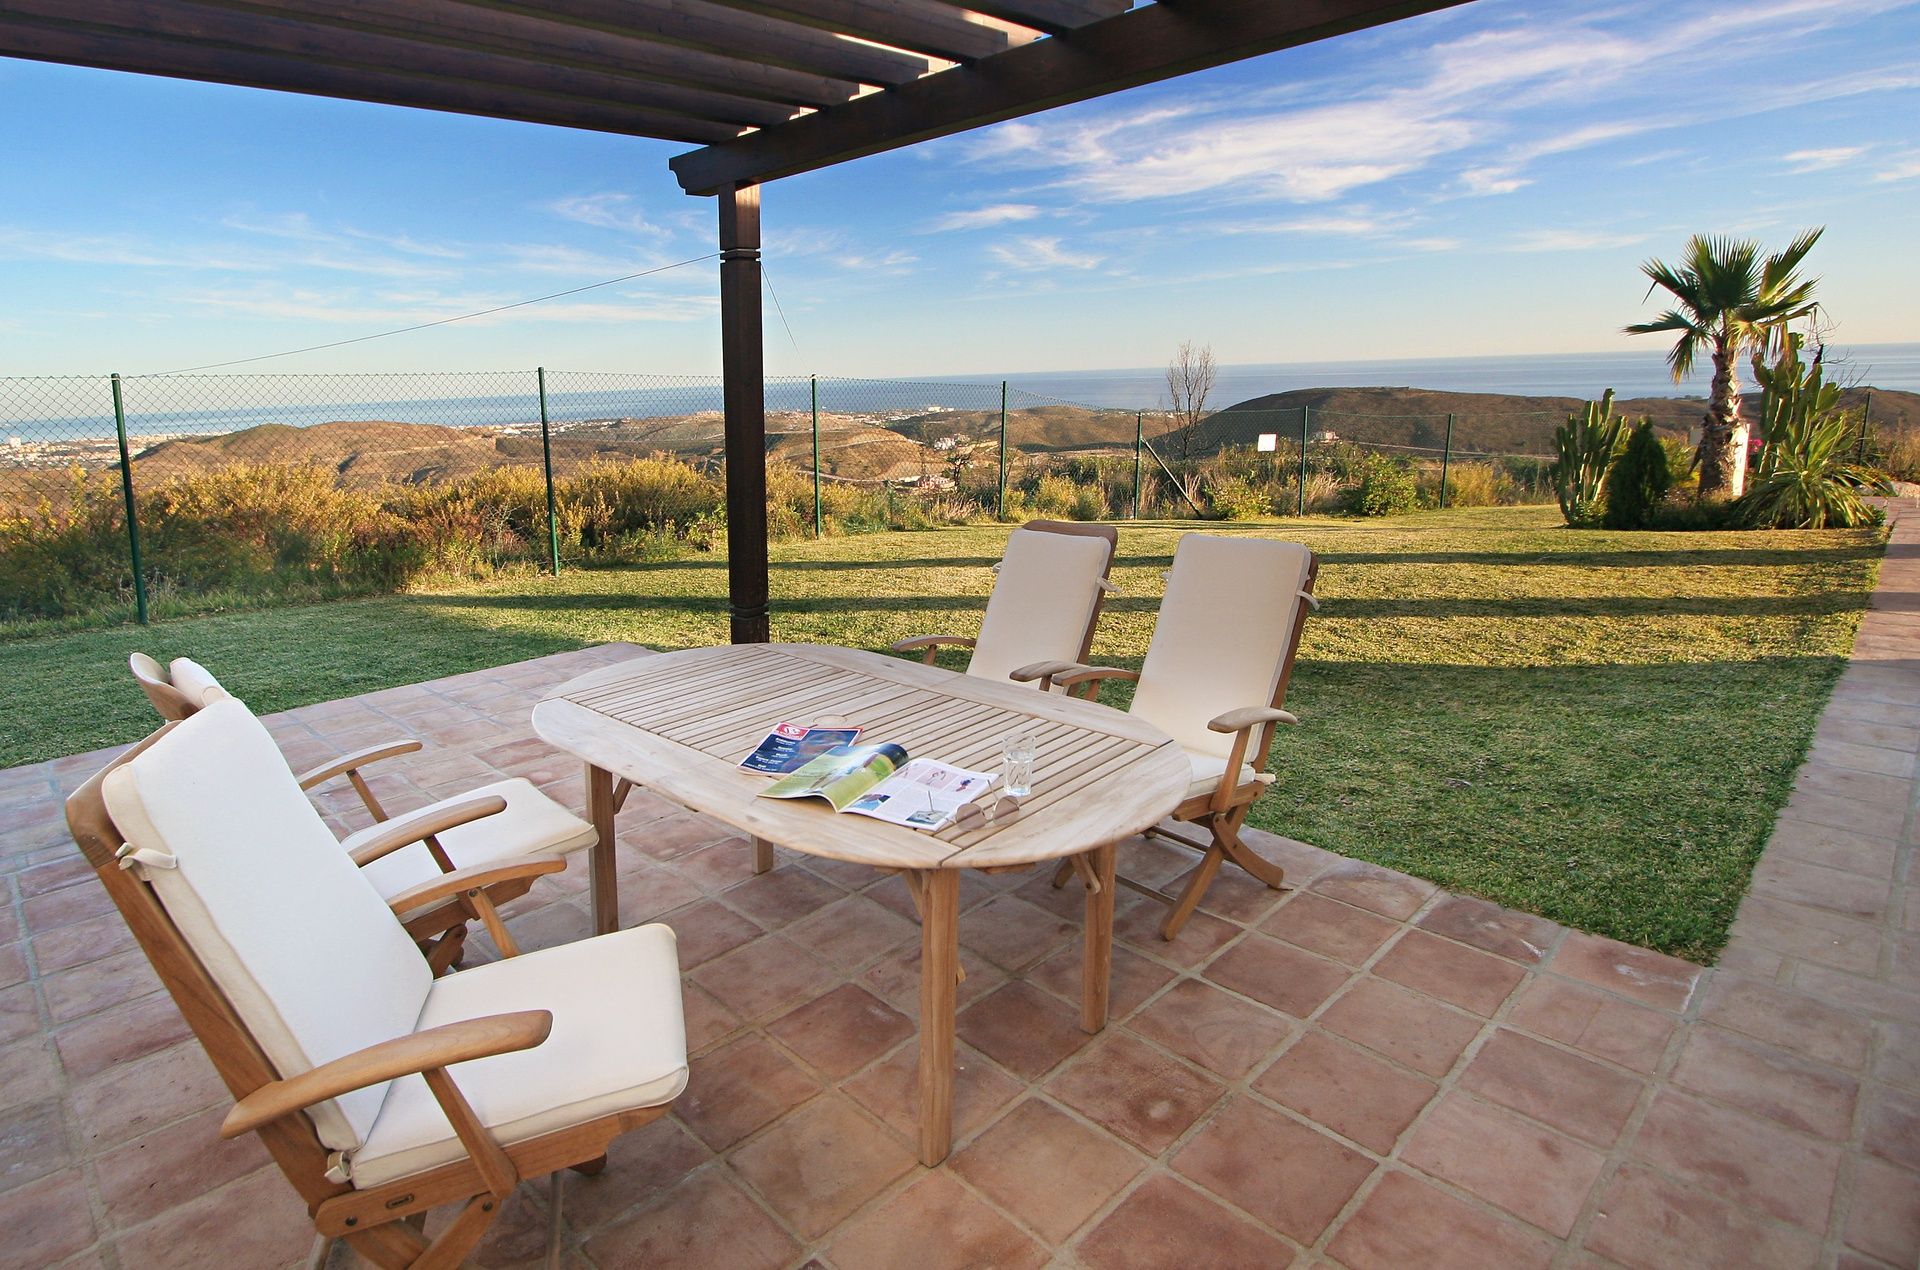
[(123, 499)]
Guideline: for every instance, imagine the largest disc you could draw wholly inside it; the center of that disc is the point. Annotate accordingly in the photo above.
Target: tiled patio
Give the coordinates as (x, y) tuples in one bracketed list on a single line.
[(1362, 1070)]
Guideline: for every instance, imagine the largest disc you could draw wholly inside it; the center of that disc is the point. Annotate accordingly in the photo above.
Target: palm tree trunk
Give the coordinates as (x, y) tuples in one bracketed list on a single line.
[(1723, 434)]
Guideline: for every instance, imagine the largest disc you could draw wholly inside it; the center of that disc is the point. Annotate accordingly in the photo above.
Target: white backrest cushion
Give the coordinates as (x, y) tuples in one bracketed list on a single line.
[(1222, 635), (300, 943), (1042, 601), (194, 681)]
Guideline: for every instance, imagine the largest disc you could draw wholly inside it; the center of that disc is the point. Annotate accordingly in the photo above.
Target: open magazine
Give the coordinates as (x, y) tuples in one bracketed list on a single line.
[(882, 782)]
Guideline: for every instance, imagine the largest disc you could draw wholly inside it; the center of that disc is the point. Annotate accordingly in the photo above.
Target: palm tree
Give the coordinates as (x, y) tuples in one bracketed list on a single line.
[(1728, 301)]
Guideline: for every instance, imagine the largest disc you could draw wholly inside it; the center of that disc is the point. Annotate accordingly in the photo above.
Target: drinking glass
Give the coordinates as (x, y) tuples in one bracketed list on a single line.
[(1017, 753)]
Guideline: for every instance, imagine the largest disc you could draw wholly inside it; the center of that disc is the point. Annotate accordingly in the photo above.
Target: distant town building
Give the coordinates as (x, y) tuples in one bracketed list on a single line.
[(1325, 436)]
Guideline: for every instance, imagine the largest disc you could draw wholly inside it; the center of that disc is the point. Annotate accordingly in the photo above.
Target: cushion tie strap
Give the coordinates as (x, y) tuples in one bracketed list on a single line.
[(339, 1167), (133, 858)]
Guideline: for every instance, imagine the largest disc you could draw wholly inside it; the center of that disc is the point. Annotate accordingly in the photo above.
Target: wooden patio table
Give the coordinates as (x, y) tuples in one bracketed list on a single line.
[(679, 723)]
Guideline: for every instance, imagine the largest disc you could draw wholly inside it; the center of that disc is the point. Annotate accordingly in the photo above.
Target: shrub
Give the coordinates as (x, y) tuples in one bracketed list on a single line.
[(1386, 488), (1473, 485), (1806, 477), (1052, 495), (1638, 480), (1236, 498)]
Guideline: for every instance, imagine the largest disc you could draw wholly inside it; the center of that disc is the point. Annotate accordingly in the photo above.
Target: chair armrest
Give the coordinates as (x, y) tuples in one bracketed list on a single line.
[(1044, 670), (424, 824), (1251, 717), (478, 878), (349, 763), (437, 1047), (1093, 677), (930, 644)]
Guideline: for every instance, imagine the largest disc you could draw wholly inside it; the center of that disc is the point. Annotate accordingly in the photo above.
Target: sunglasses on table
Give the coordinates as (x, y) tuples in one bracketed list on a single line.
[(976, 815)]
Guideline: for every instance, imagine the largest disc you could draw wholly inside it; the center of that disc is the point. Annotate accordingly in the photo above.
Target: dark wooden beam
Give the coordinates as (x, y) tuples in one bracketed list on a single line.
[(1152, 43), (1052, 16), (476, 26), (744, 405), (219, 27), (919, 25), (748, 37), (109, 50)]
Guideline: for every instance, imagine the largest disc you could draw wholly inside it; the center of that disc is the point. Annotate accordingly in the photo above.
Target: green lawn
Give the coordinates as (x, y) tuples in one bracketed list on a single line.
[(1597, 727)]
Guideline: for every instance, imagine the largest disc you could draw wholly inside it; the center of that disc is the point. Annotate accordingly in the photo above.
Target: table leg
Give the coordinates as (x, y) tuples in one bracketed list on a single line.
[(605, 882), (939, 959), (1096, 970), (762, 855)]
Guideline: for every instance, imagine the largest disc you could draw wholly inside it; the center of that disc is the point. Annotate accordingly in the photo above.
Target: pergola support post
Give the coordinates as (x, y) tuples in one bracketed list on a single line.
[(743, 390)]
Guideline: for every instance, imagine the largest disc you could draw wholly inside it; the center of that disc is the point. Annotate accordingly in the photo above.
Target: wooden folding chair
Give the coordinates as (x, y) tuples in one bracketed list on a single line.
[(1047, 592), (333, 1035), (1214, 679), (489, 825)]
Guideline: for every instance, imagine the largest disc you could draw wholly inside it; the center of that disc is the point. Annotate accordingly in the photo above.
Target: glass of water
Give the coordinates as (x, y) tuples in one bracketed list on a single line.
[(1017, 753)]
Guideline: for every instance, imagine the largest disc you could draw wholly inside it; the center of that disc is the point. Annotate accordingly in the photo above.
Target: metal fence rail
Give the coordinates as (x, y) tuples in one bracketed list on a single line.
[(122, 498)]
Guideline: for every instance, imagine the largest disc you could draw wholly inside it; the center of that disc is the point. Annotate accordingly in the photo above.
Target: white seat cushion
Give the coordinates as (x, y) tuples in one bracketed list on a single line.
[(1206, 774), (532, 823), (1042, 601), (619, 1043), (312, 960), (194, 682)]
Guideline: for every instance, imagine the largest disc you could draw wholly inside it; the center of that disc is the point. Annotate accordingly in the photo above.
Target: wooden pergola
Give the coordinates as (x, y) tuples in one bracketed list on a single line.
[(765, 88)]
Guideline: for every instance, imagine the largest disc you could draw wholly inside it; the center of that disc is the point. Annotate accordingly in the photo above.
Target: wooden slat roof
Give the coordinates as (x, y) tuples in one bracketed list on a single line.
[(767, 88)]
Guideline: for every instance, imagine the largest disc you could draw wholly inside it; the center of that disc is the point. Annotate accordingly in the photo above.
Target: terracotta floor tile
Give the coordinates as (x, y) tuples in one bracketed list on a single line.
[(1278, 975), (1407, 1223), (1798, 930), (33, 1143), (783, 896), (1898, 1062), (1284, 1173), (1137, 921), (1162, 1222), (770, 975), (1012, 933), (1136, 1092), (706, 929), (1133, 978), (640, 1166), (1452, 972), (1833, 847), (1347, 1089), (851, 932), (740, 1087), (1491, 928), (1371, 887), (721, 863), (46, 1220), (256, 1221), (707, 1021), (645, 895), (29, 1073), (1573, 1094), (1836, 890), (705, 1223), (1788, 1020), (99, 985), (841, 1032), (82, 942), (1647, 1223), (1885, 1217), (1845, 813), (1328, 927), (1593, 1021), (1645, 976), (822, 1162), (1220, 1032), (135, 1098), (1768, 1082), (19, 1013), (1753, 1163), (1025, 1030), (1893, 1126), (895, 978), (1535, 1174), (1047, 1168), (1402, 1025), (147, 1176), (970, 1234), (119, 1036), (1239, 896), (889, 1089), (65, 907)]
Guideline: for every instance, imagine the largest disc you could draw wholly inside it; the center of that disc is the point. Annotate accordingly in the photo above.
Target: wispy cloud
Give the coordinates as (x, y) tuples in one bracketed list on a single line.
[(891, 262), (1041, 253), (1572, 240), (610, 210), (1903, 167), (984, 217), (1821, 160)]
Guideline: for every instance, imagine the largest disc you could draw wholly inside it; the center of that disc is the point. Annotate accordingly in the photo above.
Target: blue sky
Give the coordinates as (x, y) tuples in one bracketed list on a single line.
[(1480, 181)]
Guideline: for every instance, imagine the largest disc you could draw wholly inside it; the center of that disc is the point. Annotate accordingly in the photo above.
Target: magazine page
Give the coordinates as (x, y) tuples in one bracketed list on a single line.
[(841, 775), (790, 746), (924, 794)]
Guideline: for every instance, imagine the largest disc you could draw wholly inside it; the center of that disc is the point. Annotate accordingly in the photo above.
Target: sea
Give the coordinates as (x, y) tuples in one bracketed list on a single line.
[(37, 411)]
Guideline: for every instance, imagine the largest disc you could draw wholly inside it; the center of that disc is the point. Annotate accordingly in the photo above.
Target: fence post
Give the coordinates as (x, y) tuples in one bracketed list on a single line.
[(1000, 508), (133, 517), (1866, 419), (1139, 439), (1446, 456), (814, 382), (546, 460), (889, 485), (1301, 508)]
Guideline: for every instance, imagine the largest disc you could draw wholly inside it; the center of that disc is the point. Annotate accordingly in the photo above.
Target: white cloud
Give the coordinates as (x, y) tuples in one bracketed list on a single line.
[(1820, 160), (984, 217), (1037, 253), (1490, 181), (607, 211), (892, 262), (1572, 240), (1902, 168)]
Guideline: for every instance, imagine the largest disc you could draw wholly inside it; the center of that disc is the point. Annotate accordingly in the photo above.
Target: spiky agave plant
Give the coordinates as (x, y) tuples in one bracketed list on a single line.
[(1809, 480), (1587, 445)]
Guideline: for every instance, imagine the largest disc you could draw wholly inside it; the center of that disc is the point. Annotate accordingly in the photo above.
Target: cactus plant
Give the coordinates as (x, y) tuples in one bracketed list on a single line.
[(1587, 445)]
